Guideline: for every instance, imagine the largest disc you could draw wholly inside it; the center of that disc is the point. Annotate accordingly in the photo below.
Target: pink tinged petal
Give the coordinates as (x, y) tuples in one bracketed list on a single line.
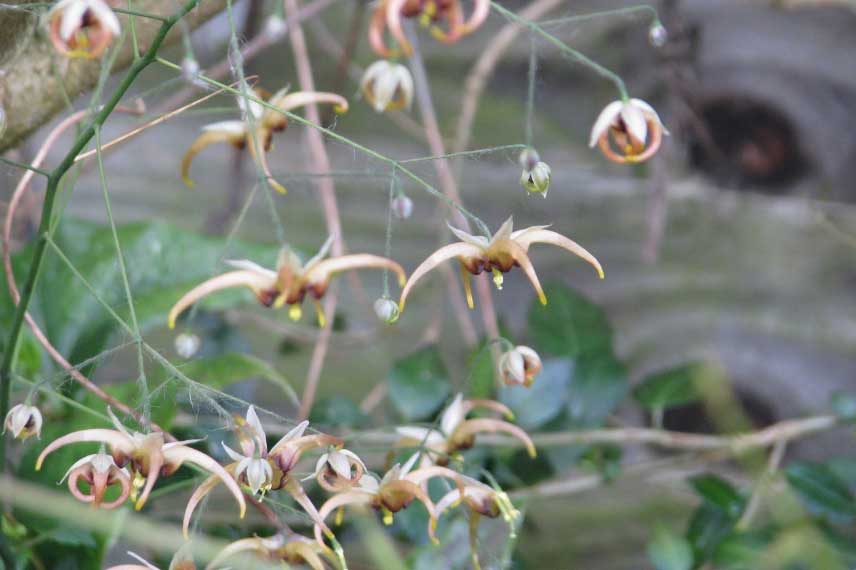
[(206, 487), (323, 252), (324, 270), (251, 266), (478, 241), (448, 500), (234, 455), (303, 98), (131, 567), (106, 16), (340, 465), (294, 433), (606, 118), (156, 463), (490, 405), (635, 122), (116, 440), (481, 10), (430, 437), (254, 422), (301, 498), (518, 253), (512, 368), (649, 111), (423, 474), (504, 231), (368, 484), (479, 425), (177, 456), (71, 18), (206, 139), (405, 469), (445, 253), (353, 456), (254, 544), (336, 501), (243, 278), (259, 473), (376, 29), (309, 555), (557, 239), (393, 22), (453, 415), (141, 559)]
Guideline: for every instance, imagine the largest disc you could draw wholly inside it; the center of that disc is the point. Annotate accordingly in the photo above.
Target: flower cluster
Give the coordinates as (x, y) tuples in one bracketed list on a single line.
[(83, 28)]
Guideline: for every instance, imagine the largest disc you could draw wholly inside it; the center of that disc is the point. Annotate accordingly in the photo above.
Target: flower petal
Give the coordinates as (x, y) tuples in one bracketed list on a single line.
[(177, 455), (445, 253), (453, 415), (116, 440), (241, 278), (635, 122), (604, 121), (206, 487), (208, 137), (557, 239), (354, 497), (324, 270), (293, 433), (479, 425), (303, 98)]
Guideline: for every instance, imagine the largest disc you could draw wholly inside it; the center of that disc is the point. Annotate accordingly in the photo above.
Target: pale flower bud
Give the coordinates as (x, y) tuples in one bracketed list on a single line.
[(519, 366), (275, 27), (24, 421), (190, 71), (387, 86), (657, 35), (537, 180), (187, 344), (528, 158), (402, 207), (386, 310)]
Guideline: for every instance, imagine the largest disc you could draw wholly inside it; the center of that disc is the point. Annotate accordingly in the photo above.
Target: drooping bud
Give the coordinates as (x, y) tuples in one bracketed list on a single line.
[(386, 310), (190, 71), (187, 344), (658, 35), (275, 27), (528, 158), (387, 86), (537, 180), (402, 207), (23, 421), (520, 366)]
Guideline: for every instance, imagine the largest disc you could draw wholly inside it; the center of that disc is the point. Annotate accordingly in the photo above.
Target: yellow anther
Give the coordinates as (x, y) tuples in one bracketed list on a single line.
[(497, 278), (295, 312)]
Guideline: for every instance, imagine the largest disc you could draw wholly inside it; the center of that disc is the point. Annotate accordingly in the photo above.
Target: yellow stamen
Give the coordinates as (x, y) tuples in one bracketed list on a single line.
[(387, 516), (319, 310), (295, 312), (340, 515), (137, 484), (497, 278), (468, 287)]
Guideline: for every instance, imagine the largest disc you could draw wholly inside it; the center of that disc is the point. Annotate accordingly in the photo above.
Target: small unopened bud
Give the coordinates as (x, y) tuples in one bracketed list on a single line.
[(657, 35), (275, 27), (190, 71), (387, 310), (23, 421), (528, 158), (402, 207), (387, 86), (537, 180), (519, 366), (187, 344)]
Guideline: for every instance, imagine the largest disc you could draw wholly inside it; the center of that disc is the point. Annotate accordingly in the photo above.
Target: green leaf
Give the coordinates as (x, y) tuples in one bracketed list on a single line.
[(337, 412), (719, 493), (708, 527), (220, 372), (742, 551), (419, 384), (569, 325), (821, 490), (673, 387), (844, 406), (544, 400), (598, 386), (667, 551), (69, 536), (482, 381)]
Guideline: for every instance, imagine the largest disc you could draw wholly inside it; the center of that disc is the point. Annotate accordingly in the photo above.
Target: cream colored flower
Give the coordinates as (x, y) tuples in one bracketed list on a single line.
[(291, 281), (83, 28), (338, 470), (387, 86), (99, 471), (520, 366), (537, 180), (632, 126), (291, 549), (23, 421), (497, 254)]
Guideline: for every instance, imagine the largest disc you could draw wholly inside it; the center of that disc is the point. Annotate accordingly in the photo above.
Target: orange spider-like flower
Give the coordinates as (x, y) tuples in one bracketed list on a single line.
[(289, 549), (457, 432), (83, 28), (266, 122), (147, 456), (290, 282), (632, 126), (498, 255), (263, 469), (389, 14)]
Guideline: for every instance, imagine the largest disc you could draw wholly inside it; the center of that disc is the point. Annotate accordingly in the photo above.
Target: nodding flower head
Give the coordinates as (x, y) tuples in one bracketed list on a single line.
[(519, 366), (628, 131), (23, 421), (260, 122), (387, 310), (147, 457), (537, 180), (338, 470), (262, 469), (387, 86), (498, 254), (83, 28), (398, 488), (289, 283), (457, 432), (99, 471), (289, 549), (431, 14)]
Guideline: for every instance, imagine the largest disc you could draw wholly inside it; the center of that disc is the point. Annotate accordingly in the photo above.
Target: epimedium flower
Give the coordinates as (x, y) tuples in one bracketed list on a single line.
[(289, 549), (387, 310), (389, 13), (632, 127), (23, 421), (148, 457), (289, 283), (100, 472), (183, 560), (83, 28), (387, 86), (457, 432), (263, 469), (497, 254), (338, 470), (265, 121), (395, 491), (537, 180), (519, 366)]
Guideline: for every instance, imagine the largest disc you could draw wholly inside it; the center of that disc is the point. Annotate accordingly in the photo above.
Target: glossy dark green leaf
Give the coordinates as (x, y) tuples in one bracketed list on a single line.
[(741, 551), (668, 551), (719, 493), (708, 527), (821, 490), (482, 381), (598, 386), (673, 387), (419, 384), (544, 400), (569, 325), (337, 412)]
